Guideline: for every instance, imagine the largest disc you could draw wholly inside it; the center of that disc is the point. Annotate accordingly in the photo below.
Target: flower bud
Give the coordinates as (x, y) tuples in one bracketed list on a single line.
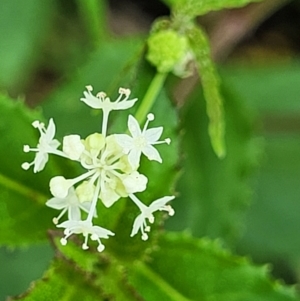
[(166, 49)]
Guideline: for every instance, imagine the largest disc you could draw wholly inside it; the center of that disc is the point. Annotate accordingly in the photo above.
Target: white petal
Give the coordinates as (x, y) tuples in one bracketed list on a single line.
[(76, 226), (134, 157), (123, 105), (152, 135), (50, 132), (151, 153), (69, 224), (138, 223), (91, 100), (125, 141), (101, 232), (133, 126), (40, 161), (156, 205), (108, 196), (56, 203), (54, 144), (74, 213)]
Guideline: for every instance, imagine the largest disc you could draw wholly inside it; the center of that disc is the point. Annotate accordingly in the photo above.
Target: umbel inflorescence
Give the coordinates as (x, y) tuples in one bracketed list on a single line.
[(111, 163)]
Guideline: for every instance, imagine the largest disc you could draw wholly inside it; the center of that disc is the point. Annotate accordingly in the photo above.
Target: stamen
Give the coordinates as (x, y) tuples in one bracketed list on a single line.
[(144, 236), (26, 148), (26, 165), (124, 91), (167, 140), (89, 88), (85, 246), (100, 247), (101, 95), (170, 210), (150, 117), (36, 124), (56, 219), (63, 241), (151, 219), (67, 232)]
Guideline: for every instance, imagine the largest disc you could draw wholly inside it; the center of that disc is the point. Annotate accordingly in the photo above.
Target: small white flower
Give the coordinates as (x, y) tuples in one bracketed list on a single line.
[(140, 222), (70, 204), (46, 145), (59, 187), (85, 228), (135, 182), (73, 147), (101, 101), (141, 141)]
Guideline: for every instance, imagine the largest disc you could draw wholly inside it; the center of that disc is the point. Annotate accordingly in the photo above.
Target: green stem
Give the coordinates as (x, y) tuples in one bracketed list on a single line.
[(150, 96), (93, 14)]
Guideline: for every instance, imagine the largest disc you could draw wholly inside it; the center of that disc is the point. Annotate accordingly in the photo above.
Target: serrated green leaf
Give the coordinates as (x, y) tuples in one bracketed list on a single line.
[(152, 286), (62, 282), (22, 31), (181, 269), (106, 272), (211, 89), (193, 8), (184, 268)]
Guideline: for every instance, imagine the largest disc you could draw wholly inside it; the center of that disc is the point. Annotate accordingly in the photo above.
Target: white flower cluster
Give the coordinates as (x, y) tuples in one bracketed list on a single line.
[(111, 163)]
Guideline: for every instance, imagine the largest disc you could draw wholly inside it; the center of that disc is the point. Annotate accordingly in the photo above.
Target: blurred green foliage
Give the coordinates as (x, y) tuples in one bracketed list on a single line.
[(271, 231)]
